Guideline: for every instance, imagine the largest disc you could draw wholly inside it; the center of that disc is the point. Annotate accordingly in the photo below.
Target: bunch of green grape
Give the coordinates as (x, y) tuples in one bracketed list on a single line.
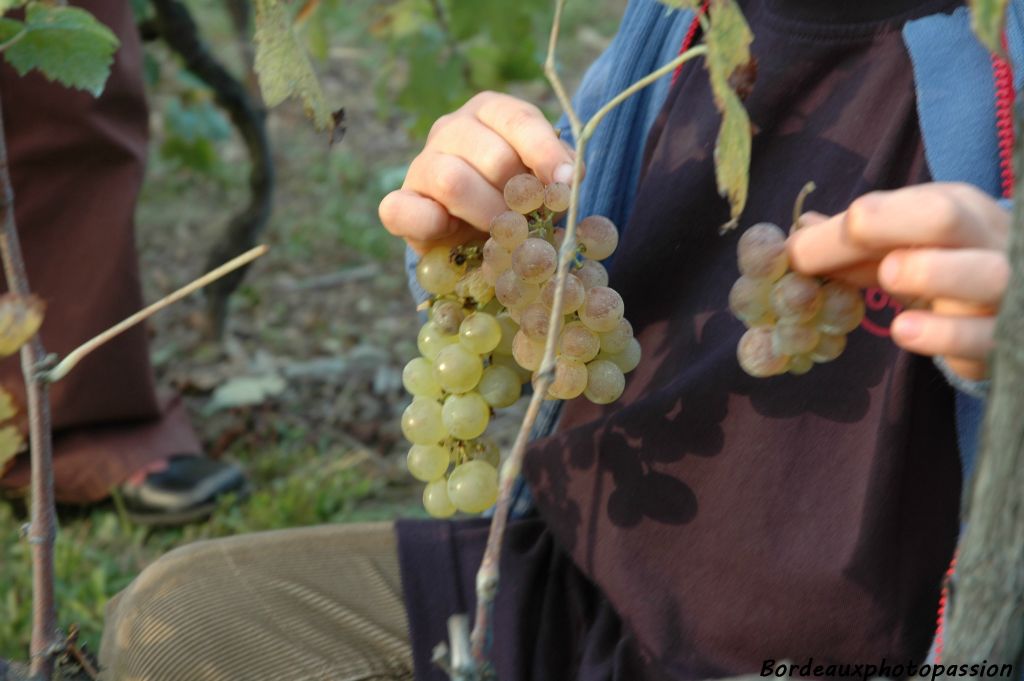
[(793, 321), (489, 316)]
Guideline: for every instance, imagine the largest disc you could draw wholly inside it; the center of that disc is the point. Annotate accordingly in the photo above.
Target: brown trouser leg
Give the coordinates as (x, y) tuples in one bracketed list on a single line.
[(301, 604), (77, 164)]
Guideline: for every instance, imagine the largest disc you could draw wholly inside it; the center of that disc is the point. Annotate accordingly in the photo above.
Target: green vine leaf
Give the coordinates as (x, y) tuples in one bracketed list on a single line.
[(67, 44), (728, 41), (282, 65), (988, 17)]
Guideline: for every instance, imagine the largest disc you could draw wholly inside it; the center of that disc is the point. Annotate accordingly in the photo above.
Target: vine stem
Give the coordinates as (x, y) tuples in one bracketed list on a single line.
[(42, 528), (488, 575), (72, 359)]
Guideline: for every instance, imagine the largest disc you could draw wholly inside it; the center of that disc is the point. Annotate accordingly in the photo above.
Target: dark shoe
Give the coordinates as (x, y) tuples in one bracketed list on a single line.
[(185, 491)]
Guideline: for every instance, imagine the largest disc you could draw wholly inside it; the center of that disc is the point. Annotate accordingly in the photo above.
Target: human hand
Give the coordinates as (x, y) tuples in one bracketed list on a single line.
[(941, 245), (454, 185)]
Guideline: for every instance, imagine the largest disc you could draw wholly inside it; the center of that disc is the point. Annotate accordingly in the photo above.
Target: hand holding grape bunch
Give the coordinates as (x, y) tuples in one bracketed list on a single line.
[(491, 300)]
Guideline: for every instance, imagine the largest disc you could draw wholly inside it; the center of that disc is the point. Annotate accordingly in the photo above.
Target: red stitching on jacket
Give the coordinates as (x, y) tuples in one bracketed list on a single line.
[(688, 39)]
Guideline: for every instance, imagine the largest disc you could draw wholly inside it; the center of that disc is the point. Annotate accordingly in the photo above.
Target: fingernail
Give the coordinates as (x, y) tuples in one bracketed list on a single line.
[(563, 174), (907, 326), (889, 270)]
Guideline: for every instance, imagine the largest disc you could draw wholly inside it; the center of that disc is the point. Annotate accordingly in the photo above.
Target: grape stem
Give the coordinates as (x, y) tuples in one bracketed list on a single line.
[(72, 359), (487, 578), (798, 205)]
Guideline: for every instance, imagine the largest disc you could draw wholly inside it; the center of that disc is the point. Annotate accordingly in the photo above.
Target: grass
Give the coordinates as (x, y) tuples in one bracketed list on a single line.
[(330, 201)]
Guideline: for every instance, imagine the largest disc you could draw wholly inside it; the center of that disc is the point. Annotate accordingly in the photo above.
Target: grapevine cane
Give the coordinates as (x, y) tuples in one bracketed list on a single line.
[(488, 574), (42, 528)]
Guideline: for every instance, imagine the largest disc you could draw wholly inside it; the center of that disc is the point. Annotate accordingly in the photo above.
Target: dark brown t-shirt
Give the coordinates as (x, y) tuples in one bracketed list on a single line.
[(713, 520)]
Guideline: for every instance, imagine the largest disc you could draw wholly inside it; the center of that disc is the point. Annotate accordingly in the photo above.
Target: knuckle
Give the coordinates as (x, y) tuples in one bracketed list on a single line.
[(948, 215), (438, 126), (521, 118), (859, 217), (450, 181)]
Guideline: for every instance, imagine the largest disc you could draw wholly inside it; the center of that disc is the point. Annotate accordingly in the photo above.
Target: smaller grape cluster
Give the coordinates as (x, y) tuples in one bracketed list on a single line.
[(489, 318), (793, 321)]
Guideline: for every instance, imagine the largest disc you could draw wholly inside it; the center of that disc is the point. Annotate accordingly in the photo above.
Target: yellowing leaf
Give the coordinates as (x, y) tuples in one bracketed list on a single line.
[(282, 65), (11, 442), (728, 41), (20, 318), (988, 17), (681, 4), (8, 409), (732, 156)]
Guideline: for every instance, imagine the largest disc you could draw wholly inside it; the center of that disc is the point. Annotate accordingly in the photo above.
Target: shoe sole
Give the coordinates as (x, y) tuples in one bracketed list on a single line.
[(185, 516)]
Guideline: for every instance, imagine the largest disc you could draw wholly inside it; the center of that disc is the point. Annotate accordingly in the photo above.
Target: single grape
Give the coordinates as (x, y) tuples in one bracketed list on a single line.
[(534, 260), (756, 355), (800, 364), (571, 299), (489, 273), (509, 328), (602, 309), (579, 343), (570, 379), (418, 378), (500, 386), (485, 449), (474, 286), (421, 422), (527, 352), (842, 308), (512, 291), (628, 359), (794, 338), (436, 273), (524, 193), (427, 462), (557, 237), (829, 347), (615, 341), (447, 315), (534, 321), (457, 369), (473, 486), (436, 501), (598, 236), (509, 362), (796, 297), (496, 255), (556, 197), (480, 333), (592, 274), (750, 300), (761, 252), (465, 416), (509, 229), (431, 340), (515, 314), (605, 382)]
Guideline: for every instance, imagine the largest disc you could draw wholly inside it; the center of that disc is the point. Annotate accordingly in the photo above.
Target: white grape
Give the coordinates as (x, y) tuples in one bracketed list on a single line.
[(480, 333), (473, 486), (465, 416), (418, 378), (427, 462), (457, 369), (436, 501), (605, 382), (421, 422), (500, 386)]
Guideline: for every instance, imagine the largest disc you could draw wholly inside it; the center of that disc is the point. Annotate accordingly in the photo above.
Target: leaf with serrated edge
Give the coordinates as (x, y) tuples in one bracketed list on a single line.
[(732, 156), (728, 42), (282, 65), (68, 45), (20, 318), (11, 442), (988, 17)]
